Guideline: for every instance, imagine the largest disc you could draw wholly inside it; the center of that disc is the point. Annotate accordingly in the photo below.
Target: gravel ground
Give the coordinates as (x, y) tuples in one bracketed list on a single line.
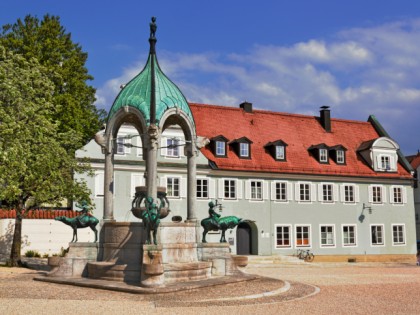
[(343, 289)]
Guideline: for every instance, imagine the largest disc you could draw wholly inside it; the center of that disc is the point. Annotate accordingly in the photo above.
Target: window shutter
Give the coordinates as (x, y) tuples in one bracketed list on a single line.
[(391, 194), (99, 184), (356, 193), (163, 182), (273, 190), (378, 162), (342, 193), (163, 145), (212, 188), (265, 190), (248, 189), (289, 191), (392, 163), (383, 191), (221, 188), (370, 194), (313, 192), (297, 192), (404, 194), (320, 191), (335, 192), (239, 189), (183, 188)]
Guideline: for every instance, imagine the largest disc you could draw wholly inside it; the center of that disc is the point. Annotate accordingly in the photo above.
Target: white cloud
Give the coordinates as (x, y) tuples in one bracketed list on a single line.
[(360, 71)]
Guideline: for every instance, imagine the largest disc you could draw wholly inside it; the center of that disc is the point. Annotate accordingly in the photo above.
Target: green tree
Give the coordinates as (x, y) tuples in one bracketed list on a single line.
[(35, 167), (52, 46)]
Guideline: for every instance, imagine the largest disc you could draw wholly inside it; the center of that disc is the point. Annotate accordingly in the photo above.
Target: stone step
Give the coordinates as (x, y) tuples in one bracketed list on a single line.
[(274, 259), (179, 272), (115, 272)]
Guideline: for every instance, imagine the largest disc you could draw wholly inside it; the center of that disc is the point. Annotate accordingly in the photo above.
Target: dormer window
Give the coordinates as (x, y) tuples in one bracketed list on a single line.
[(381, 154), (320, 152), (277, 150), (323, 155), (242, 147), (338, 154), (218, 146)]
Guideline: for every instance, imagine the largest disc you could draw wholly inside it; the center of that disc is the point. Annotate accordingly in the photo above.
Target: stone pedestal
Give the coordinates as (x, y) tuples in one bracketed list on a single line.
[(74, 264), (220, 256)]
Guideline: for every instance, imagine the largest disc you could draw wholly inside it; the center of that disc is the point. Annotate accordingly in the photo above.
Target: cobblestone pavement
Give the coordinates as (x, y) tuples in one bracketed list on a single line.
[(315, 288)]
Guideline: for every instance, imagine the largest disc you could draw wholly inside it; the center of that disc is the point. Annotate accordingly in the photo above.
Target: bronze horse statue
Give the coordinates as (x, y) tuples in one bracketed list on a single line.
[(224, 223), (80, 222)]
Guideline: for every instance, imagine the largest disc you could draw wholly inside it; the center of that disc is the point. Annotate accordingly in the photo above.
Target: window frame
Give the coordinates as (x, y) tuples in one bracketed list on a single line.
[(324, 193), (172, 188), (229, 191), (354, 227), (202, 179), (382, 228), (280, 156), (323, 155), (121, 145), (306, 192), (280, 193), (172, 152), (222, 147), (321, 236), (302, 239), (340, 157), (403, 234), (244, 149), (290, 233), (374, 197)]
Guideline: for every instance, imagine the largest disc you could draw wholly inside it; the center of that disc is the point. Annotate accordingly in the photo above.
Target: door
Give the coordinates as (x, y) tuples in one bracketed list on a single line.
[(243, 239)]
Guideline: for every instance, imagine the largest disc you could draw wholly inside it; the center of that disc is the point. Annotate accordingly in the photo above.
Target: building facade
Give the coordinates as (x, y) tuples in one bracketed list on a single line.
[(339, 188)]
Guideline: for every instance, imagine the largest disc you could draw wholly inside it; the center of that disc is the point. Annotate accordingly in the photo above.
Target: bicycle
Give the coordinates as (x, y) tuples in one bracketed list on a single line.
[(305, 255)]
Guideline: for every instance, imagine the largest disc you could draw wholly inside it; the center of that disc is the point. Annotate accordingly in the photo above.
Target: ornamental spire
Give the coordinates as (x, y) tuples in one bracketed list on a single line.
[(152, 41), (152, 38)]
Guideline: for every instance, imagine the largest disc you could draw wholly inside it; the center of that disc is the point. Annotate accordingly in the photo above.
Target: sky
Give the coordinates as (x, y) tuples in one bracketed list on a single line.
[(360, 57)]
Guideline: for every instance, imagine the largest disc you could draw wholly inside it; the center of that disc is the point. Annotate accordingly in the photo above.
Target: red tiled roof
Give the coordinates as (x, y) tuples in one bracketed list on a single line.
[(298, 131), (414, 160)]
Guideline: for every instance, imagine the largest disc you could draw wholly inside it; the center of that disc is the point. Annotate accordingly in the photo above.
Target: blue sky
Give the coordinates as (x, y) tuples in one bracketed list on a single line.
[(359, 57)]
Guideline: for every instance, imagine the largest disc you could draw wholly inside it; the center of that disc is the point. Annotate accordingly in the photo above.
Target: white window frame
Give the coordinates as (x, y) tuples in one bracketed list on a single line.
[(208, 187), (256, 190), (220, 148), (382, 189), (356, 197), (172, 152), (309, 245), (329, 236), (340, 157), (377, 244), (243, 149), (121, 149), (237, 191), (403, 195), (275, 188), (290, 232), (381, 162), (280, 152), (354, 227), (333, 191), (323, 155), (399, 243), (312, 192)]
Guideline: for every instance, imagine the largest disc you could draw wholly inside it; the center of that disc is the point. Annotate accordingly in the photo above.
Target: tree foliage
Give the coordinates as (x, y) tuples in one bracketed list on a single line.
[(48, 42), (35, 167)]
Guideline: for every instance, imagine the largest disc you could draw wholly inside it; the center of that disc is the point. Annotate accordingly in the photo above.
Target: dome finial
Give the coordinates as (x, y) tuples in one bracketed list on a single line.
[(152, 38)]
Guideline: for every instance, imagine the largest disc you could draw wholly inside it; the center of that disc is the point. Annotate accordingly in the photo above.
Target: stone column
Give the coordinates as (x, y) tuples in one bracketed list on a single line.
[(109, 186), (191, 153), (151, 162)]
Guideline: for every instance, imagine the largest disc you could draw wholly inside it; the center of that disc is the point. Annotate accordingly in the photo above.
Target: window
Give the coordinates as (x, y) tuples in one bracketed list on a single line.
[(385, 162), (173, 187), (340, 157), (202, 188), (280, 193), (327, 193), (349, 235), (256, 190), (229, 189), (220, 148), (172, 147), (398, 194), (349, 195), (279, 152), (303, 236), (283, 237), (323, 155), (244, 149), (304, 192), (377, 234), (398, 234), (327, 236), (376, 194), (121, 145)]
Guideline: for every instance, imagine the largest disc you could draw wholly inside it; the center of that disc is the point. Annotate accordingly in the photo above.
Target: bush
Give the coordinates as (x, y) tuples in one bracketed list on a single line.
[(32, 253), (46, 255)]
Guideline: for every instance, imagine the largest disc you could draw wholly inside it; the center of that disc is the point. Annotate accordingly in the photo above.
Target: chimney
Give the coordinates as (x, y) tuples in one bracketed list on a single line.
[(246, 106), (325, 118)]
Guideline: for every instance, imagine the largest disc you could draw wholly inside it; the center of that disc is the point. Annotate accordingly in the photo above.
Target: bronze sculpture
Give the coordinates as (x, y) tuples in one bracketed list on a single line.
[(215, 223)]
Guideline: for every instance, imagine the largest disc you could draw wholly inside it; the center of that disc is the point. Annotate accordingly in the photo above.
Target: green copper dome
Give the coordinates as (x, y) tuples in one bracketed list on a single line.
[(138, 93)]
